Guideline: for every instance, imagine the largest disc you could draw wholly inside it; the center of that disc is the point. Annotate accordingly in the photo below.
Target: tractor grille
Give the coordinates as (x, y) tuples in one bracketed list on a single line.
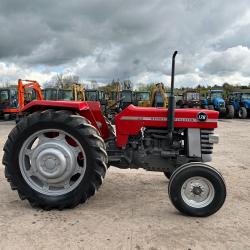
[(206, 146)]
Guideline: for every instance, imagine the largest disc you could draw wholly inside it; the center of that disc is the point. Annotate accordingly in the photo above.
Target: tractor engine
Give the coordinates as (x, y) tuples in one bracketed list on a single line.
[(152, 150)]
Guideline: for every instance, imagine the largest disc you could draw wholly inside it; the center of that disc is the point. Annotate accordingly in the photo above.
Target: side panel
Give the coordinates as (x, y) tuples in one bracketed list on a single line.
[(194, 142), (132, 119)]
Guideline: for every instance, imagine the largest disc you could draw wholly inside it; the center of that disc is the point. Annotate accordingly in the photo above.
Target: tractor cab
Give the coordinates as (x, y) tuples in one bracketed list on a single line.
[(126, 98), (65, 95), (8, 101), (92, 95), (190, 99), (142, 99), (216, 96), (50, 94), (215, 101), (192, 96), (245, 97)]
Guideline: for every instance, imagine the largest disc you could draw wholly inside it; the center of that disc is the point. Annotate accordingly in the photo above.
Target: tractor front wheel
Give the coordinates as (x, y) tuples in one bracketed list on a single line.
[(196, 189), (55, 159), (242, 113)]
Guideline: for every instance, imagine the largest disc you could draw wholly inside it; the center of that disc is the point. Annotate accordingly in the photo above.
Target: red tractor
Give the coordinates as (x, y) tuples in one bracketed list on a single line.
[(190, 99), (58, 154)]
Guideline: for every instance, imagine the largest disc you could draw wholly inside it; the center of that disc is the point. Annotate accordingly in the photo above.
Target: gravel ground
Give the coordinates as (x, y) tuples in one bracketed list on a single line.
[(132, 209)]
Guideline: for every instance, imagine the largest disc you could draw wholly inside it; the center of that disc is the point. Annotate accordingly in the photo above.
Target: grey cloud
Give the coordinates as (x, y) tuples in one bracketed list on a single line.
[(143, 33)]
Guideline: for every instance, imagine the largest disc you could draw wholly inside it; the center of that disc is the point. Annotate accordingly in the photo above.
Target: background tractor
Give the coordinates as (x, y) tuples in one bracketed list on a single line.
[(75, 93), (216, 102), (58, 154), (241, 104), (190, 99), (142, 98), (50, 94), (8, 102), (126, 98), (158, 96)]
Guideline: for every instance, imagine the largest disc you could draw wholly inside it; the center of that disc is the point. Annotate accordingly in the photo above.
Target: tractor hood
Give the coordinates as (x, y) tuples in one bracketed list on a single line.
[(218, 101), (247, 103), (132, 119)]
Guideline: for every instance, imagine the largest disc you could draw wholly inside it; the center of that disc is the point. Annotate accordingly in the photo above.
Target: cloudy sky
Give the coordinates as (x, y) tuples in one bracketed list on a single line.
[(105, 40)]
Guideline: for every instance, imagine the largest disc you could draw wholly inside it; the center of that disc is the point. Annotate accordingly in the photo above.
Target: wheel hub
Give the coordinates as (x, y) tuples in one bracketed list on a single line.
[(53, 161), (197, 192)]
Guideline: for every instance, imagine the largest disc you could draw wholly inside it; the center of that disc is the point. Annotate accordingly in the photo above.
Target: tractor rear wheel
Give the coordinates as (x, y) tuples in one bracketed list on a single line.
[(242, 113), (230, 112), (196, 189), (55, 159)]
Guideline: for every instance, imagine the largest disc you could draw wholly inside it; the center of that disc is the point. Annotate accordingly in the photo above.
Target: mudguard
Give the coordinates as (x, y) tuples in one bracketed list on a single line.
[(89, 110)]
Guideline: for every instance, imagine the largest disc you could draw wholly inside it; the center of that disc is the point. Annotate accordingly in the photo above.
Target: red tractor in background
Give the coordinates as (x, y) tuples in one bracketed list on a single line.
[(58, 154), (190, 99)]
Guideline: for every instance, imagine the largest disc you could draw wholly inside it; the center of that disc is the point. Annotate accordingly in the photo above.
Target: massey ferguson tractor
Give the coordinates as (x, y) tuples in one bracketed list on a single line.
[(58, 154)]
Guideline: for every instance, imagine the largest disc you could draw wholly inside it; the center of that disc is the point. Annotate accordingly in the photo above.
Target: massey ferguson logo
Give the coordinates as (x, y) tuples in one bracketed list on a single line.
[(202, 117)]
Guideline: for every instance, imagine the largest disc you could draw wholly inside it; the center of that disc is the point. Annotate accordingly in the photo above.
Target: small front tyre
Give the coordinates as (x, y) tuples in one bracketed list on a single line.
[(242, 113), (196, 189)]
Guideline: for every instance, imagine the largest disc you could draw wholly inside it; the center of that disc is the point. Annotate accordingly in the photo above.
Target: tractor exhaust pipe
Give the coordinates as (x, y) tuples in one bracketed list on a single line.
[(171, 102)]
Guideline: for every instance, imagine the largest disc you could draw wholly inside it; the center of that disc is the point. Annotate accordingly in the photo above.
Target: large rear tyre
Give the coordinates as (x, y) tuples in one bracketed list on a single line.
[(196, 189), (230, 112), (242, 113), (55, 159)]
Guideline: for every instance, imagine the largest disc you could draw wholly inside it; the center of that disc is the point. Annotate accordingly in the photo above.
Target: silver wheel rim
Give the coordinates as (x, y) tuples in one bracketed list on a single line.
[(52, 162), (197, 192)]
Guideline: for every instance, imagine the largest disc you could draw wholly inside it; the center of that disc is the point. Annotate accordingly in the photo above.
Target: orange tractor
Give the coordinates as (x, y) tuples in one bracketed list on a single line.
[(12, 100), (28, 90)]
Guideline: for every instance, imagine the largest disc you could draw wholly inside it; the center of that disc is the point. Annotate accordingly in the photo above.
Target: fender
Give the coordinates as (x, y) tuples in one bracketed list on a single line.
[(89, 110)]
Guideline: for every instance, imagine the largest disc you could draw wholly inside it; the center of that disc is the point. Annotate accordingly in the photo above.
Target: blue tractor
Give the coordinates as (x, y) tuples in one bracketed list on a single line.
[(241, 104), (215, 101)]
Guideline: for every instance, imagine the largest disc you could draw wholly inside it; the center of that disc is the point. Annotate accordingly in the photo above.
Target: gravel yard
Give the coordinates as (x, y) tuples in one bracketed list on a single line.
[(132, 209)]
